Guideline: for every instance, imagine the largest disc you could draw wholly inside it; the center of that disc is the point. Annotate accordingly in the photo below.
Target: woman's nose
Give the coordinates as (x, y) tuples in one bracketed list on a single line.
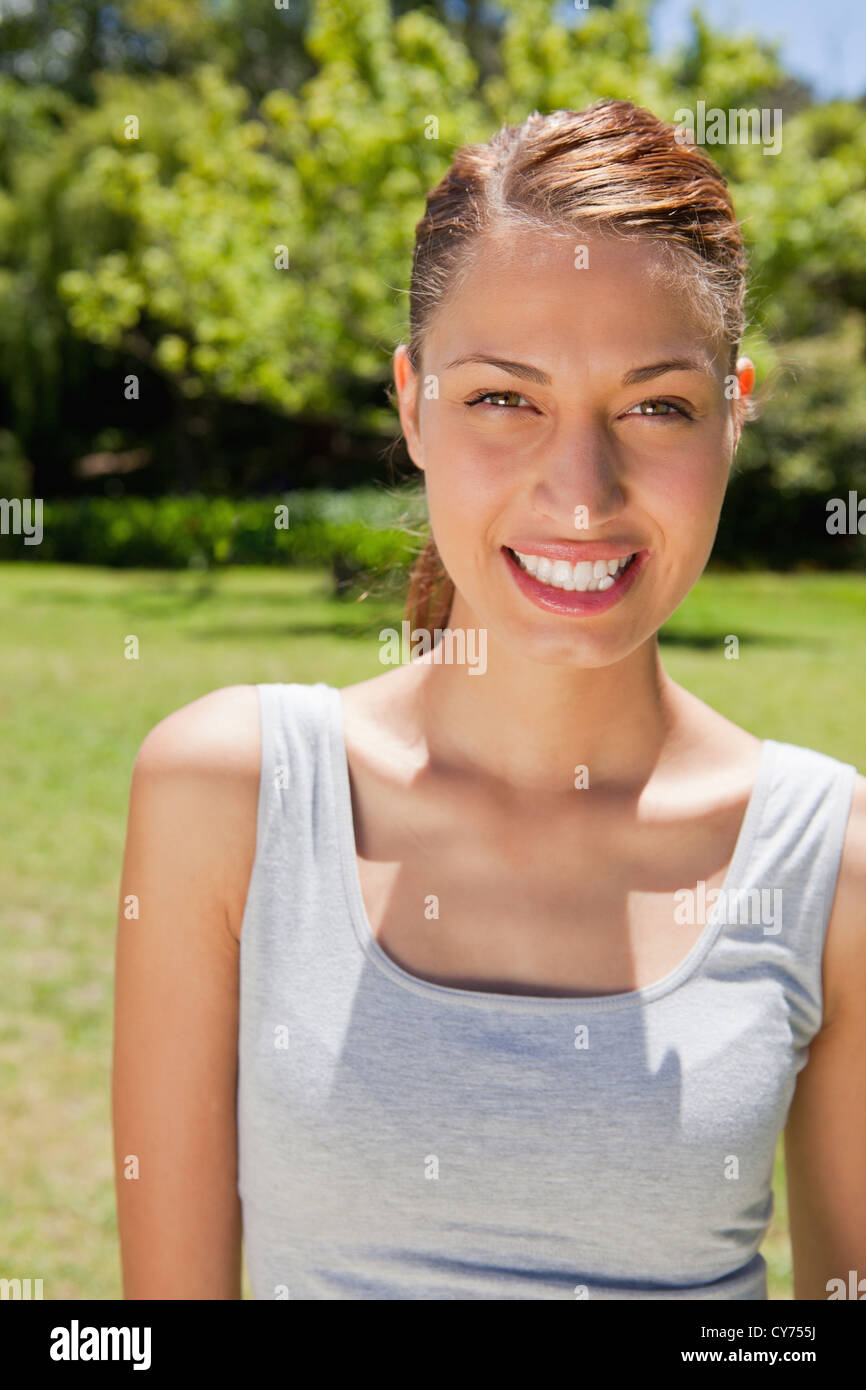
[(579, 483)]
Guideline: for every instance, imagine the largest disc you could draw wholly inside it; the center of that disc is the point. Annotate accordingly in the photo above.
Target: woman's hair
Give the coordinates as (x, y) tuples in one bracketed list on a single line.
[(614, 167)]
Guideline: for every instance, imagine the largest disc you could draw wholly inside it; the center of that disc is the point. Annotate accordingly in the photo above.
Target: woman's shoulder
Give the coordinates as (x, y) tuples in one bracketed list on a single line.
[(844, 955), (845, 947), (195, 782), (215, 734)]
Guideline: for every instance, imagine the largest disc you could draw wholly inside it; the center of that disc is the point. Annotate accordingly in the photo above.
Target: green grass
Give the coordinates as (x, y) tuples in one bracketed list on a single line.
[(74, 712)]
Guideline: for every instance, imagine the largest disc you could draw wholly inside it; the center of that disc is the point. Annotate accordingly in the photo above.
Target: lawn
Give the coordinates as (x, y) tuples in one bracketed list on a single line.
[(74, 711)]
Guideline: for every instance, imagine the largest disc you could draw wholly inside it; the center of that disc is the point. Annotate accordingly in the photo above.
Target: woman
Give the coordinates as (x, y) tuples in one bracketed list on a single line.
[(520, 968)]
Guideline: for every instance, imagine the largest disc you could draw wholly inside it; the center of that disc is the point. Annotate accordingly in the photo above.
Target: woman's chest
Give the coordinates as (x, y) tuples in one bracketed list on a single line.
[(634, 1140), (571, 904)]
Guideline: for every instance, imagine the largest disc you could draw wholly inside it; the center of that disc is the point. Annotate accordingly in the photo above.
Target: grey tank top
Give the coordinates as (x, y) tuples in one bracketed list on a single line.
[(399, 1139)]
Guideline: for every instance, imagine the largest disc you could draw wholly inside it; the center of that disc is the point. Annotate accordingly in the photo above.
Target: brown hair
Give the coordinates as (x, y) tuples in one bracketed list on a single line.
[(614, 166)]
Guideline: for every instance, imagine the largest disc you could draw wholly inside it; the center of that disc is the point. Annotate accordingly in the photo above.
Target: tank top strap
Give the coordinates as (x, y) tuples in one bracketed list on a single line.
[(295, 817), (793, 862)]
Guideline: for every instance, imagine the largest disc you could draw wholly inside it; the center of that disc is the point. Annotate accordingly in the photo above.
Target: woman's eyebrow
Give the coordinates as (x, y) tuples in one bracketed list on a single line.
[(677, 364), (632, 378), (515, 368)]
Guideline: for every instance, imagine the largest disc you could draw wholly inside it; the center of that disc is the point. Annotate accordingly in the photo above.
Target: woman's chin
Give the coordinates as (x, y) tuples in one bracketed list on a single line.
[(521, 640)]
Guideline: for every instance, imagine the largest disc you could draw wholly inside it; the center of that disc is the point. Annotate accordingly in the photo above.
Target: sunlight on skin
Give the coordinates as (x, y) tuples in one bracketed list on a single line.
[(517, 465)]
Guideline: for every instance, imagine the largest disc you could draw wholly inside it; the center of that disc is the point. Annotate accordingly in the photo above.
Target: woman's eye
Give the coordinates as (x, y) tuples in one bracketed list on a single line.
[(497, 396), (649, 408), (655, 407)]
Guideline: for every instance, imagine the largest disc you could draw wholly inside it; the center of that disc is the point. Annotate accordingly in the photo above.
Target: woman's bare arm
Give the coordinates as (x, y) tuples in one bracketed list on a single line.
[(825, 1137), (190, 845)]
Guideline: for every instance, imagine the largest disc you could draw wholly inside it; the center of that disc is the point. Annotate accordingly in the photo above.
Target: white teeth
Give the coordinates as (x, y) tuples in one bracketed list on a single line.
[(586, 576)]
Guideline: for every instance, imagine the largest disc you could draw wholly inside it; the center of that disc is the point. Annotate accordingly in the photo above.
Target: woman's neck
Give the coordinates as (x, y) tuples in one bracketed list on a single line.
[(531, 725)]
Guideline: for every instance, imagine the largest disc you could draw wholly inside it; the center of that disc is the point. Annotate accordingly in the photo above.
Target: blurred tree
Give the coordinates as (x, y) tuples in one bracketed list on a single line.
[(255, 249), (260, 45), (68, 42)]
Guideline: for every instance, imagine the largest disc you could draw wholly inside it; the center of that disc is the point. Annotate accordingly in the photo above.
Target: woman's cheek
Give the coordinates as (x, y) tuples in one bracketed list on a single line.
[(468, 479), (694, 488), (456, 504), (466, 504)]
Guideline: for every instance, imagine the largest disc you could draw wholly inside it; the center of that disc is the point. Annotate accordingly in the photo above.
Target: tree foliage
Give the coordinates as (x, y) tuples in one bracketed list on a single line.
[(255, 244)]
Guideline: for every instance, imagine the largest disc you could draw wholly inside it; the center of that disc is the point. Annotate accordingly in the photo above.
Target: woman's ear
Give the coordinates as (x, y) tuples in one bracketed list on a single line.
[(745, 377), (406, 382), (745, 373)]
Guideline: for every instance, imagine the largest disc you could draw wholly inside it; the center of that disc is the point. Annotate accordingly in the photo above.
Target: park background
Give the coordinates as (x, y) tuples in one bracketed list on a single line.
[(152, 259)]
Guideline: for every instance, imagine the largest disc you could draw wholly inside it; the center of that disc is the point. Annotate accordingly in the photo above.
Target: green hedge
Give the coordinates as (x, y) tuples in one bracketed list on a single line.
[(368, 533), (365, 531)]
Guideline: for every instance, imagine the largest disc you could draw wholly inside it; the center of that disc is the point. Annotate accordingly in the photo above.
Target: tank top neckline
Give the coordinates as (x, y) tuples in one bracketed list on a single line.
[(344, 830)]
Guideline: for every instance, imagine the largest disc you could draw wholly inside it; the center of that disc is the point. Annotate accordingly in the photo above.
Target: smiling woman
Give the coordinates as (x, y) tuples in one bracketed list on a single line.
[(492, 958), (593, 340), (583, 201)]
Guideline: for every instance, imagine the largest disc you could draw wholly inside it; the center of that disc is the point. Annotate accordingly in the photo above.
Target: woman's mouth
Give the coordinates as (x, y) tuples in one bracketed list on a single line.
[(585, 577), (585, 586)]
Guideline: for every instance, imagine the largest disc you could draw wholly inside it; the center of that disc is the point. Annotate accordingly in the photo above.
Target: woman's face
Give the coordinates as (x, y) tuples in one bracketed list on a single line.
[(609, 432)]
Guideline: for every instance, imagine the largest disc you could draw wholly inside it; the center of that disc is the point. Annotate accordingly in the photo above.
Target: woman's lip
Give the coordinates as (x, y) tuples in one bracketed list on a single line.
[(575, 551), (571, 601)]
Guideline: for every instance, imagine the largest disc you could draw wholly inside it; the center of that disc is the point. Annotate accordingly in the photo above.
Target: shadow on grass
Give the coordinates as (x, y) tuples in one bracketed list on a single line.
[(239, 631), (91, 598), (367, 627), (712, 641), (180, 596)]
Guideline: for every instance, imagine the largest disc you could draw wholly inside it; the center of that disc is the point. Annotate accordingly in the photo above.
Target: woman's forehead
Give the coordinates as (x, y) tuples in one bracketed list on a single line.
[(540, 296)]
